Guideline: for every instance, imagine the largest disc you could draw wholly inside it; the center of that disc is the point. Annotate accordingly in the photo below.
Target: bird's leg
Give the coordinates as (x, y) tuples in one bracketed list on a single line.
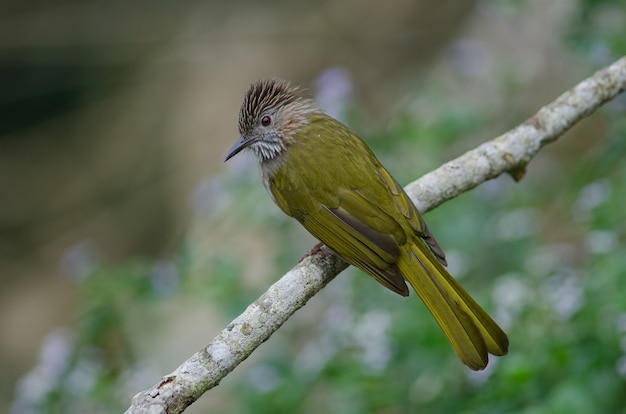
[(314, 250)]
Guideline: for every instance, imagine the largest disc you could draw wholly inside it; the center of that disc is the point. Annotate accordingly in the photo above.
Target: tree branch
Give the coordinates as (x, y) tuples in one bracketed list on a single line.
[(509, 152)]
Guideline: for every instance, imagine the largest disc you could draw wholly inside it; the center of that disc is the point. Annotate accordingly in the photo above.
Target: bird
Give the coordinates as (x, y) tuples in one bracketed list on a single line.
[(323, 175)]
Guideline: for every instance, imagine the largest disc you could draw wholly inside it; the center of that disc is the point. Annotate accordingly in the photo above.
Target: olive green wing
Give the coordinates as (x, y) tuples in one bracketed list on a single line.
[(405, 206), (345, 228)]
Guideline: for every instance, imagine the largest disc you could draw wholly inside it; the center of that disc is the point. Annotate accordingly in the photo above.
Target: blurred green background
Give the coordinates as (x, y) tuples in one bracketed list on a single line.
[(126, 245)]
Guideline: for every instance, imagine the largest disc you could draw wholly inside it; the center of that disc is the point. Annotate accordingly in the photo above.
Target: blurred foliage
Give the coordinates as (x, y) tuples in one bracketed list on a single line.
[(545, 256), (599, 29)]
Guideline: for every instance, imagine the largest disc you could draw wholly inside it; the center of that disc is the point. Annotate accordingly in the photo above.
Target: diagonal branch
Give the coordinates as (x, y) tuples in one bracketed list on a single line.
[(509, 152)]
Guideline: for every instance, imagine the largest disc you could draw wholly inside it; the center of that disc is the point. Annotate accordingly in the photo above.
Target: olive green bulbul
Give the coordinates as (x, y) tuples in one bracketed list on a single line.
[(323, 175)]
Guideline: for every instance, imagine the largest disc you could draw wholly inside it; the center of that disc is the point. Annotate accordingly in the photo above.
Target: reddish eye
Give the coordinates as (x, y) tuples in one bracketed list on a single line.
[(266, 121)]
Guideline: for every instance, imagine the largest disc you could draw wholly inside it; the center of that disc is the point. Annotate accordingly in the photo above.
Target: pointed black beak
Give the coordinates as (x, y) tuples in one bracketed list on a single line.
[(237, 147)]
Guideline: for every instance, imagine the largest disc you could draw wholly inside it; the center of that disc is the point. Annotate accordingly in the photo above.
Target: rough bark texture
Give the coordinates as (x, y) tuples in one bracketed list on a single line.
[(509, 152)]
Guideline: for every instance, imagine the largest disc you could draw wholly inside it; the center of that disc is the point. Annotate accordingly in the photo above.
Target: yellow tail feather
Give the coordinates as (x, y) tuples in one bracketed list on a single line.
[(469, 329)]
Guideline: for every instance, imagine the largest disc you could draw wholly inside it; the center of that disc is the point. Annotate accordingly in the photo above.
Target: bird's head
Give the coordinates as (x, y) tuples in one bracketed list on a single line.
[(270, 117)]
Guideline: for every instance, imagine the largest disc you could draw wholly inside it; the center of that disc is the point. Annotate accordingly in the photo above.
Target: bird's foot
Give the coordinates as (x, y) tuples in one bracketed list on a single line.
[(314, 250)]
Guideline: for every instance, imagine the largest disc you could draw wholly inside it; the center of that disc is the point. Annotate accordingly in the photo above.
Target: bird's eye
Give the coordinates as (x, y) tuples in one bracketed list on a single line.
[(266, 120)]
